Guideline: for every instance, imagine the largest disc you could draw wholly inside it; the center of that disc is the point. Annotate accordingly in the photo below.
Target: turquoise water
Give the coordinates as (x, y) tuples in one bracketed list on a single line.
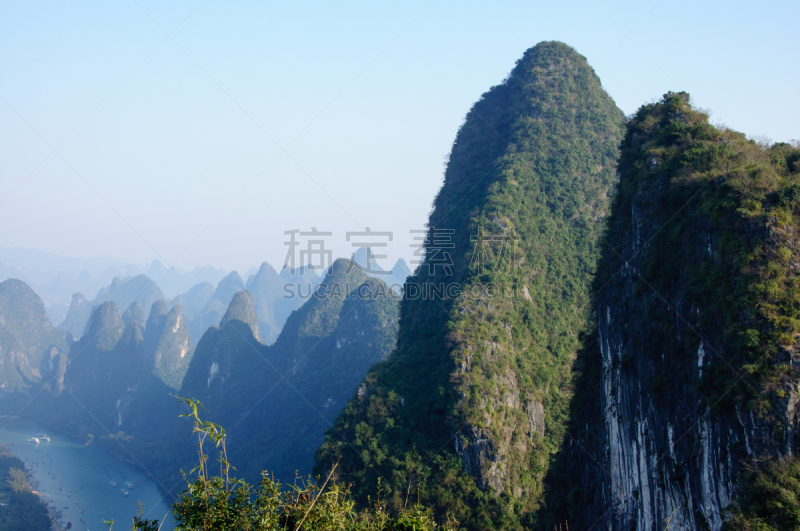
[(76, 480)]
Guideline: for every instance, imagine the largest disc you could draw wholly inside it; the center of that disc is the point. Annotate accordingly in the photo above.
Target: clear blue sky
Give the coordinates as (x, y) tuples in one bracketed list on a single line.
[(253, 118)]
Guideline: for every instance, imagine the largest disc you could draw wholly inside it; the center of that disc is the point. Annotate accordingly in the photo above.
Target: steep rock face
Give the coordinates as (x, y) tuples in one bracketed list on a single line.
[(80, 310), (155, 319), (54, 368), (242, 309), (27, 338), (470, 408), (167, 345), (696, 326), (172, 350)]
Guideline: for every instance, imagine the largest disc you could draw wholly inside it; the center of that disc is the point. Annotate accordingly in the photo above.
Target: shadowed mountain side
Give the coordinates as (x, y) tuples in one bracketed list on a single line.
[(80, 310), (194, 300), (215, 307), (687, 399), (277, 401), (109, 389)]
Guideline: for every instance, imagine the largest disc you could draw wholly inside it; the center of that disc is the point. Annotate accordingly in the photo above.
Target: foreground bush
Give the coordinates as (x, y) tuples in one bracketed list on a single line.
[(770, 498), (221, 502)]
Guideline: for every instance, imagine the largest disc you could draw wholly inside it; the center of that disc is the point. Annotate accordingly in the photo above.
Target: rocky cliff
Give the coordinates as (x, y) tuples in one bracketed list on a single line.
[(172, 347), (693, 380)]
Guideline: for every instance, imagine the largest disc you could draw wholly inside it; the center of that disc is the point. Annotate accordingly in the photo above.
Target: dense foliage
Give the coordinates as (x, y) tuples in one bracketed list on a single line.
[(19, 507), (221, 502), (27, 338), (471, 407), (769, 500), (698, 298), (745, 197)]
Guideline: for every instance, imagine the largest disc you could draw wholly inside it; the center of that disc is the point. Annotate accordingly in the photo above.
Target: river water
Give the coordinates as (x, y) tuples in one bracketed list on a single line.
[(76, 480)]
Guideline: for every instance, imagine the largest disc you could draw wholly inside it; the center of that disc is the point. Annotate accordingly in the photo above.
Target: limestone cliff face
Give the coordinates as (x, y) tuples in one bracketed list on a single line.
[(266, 287), (155, 319), (167, 345), (173, 349), (686, 396)]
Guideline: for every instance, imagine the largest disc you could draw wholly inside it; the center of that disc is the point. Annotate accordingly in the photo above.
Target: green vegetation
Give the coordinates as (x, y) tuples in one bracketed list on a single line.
[(746, 198), (222, 502), (770, 499), (20, 508), (471, 407), (698, 298), (28, 340)]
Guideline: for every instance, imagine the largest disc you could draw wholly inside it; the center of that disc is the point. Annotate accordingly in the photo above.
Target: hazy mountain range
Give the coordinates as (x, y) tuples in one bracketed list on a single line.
[(609, 341)]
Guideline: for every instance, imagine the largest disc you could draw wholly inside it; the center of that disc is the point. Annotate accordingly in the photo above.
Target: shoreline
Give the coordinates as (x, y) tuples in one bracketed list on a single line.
[(52, 510), (57, 518)]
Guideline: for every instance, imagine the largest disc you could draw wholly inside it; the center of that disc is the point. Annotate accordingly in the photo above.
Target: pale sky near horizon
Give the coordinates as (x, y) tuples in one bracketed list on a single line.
[(198, 132)]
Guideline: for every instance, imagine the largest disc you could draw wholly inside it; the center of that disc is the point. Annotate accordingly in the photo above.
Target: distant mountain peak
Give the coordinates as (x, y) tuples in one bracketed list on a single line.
[(242, 308), (106, 326), (134, 313), (157, 312), (80, 310)]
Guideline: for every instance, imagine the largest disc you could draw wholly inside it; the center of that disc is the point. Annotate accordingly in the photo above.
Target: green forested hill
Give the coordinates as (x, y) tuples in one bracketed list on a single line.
[(469, 410), (28, 341), (20, 507)]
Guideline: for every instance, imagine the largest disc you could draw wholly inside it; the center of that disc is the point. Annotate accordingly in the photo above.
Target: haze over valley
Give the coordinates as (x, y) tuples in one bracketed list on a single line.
[(373, 267)]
